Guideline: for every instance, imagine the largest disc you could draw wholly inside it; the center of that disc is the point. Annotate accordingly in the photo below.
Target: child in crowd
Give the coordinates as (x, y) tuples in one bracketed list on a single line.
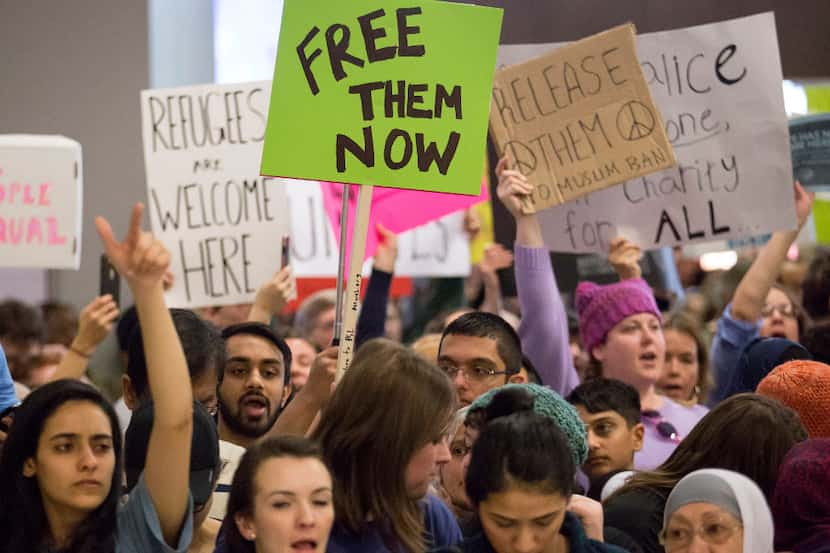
[(610, 410)]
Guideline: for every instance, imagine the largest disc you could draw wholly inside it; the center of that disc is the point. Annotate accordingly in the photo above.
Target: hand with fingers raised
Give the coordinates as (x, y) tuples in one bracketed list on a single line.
[(139, 258)]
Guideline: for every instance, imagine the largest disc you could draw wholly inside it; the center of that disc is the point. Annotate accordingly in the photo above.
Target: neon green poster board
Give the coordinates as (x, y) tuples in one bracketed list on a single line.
[(390, 93), (821, 217)]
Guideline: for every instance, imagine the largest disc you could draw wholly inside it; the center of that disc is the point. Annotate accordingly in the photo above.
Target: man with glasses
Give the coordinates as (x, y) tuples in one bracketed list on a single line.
[(480, 351)]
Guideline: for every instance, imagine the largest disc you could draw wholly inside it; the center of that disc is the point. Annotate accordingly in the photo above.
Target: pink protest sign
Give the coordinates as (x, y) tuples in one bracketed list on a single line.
[(398, 210), (41, 190)]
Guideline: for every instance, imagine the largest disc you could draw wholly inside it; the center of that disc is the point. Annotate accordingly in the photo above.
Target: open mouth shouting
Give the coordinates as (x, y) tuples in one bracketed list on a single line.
[(254, 406), (304, 545)]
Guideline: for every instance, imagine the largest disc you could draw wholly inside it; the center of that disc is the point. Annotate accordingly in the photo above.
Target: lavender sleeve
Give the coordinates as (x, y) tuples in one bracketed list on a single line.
[(544, 326)]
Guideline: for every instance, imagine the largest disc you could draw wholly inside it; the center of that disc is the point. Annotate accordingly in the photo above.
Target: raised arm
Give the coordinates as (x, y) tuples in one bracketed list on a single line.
[(544, 326), (273, 296), (372, 320), (142, 261), (752, 291), (298, 416), (740, 322), (95, 323)]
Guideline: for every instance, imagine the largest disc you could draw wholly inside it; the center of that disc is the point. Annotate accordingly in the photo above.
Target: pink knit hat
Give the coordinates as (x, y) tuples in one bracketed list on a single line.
[(803, 386), (600, 308)]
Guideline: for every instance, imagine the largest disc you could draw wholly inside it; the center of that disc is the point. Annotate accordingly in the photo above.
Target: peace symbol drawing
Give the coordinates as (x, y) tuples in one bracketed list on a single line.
[(635, 121)]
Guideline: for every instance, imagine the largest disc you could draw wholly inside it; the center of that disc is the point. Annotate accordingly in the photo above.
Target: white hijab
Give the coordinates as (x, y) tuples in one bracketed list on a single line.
[(726, 489)]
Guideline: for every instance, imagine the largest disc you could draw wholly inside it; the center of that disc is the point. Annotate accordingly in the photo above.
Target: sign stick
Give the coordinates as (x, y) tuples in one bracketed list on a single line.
[(352, 299), (344, 220)]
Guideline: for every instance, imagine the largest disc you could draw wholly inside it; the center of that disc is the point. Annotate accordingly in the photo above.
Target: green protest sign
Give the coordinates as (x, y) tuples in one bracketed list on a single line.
[(392, 93)]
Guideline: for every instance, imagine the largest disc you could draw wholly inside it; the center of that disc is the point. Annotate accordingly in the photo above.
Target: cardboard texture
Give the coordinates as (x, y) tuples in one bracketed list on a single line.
[(579, 119)]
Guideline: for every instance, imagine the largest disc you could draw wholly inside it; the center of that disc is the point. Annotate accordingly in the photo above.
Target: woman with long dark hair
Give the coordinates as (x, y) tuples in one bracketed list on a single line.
[(60, 471), (520, 480)]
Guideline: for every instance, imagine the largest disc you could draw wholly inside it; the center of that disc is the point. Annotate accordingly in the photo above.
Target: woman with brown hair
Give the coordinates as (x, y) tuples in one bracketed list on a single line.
[(746, 433), (685, 377), (384, 437), (280, 499)]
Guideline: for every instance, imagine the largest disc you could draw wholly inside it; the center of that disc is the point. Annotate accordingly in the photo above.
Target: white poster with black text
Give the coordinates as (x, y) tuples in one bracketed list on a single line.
[(718, 88)]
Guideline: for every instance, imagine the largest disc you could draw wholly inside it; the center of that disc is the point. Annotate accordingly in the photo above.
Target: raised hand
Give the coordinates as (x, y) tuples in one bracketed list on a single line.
[(139, 258), (274, 295), (625, 257), (803, 203), (513, 188), (496, 257), (387, 252), (94, 324)]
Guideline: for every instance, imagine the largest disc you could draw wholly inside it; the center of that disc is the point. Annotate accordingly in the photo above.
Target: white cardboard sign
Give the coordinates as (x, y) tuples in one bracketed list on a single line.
[(437, 249), (41, 201), (718, 88), (221, 221)]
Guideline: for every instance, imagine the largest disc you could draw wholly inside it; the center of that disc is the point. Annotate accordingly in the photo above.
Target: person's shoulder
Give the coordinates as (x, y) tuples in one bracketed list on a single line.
[(476, 544), (642, 499), (440, 522)]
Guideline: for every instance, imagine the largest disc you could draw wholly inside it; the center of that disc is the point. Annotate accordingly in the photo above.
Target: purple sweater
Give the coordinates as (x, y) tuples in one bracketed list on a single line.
[(656, 448), (544, 326), (544, 335)]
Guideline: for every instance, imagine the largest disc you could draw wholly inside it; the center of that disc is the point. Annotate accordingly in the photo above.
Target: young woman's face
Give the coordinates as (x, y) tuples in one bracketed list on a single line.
[(778, 317), (633, 351), (293, 509), (424, 466), (74, 461), (520, 520), (703, 527), (681, 369)]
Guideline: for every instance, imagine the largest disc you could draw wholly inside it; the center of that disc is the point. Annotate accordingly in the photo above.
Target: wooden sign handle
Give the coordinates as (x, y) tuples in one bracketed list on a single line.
[(351, 300)]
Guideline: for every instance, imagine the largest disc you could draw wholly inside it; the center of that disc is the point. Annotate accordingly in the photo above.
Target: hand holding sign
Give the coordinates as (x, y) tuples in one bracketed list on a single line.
[(625, 257), (140, 258), (803, 203), (274, 295), (514, 190)]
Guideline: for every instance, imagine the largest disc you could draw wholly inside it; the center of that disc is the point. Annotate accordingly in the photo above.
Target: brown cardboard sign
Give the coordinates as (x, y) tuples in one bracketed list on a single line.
[(579, 119)]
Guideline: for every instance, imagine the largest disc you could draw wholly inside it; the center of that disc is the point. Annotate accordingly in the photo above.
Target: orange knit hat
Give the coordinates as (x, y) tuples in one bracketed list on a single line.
[(804, 386)]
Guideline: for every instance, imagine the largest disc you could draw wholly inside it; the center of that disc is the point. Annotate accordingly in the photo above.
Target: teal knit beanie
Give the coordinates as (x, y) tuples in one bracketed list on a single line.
[(549, 404)]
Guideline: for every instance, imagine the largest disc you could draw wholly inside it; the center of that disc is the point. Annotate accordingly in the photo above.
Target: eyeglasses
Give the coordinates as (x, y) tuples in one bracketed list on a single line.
[(713, 533), (785, 309), (473, 374), (666, 429)]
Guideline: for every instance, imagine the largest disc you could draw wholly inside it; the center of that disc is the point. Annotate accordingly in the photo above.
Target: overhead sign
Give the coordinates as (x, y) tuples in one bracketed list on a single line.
[(718, 88), (41, 201), (393, 93), (578, 119)]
